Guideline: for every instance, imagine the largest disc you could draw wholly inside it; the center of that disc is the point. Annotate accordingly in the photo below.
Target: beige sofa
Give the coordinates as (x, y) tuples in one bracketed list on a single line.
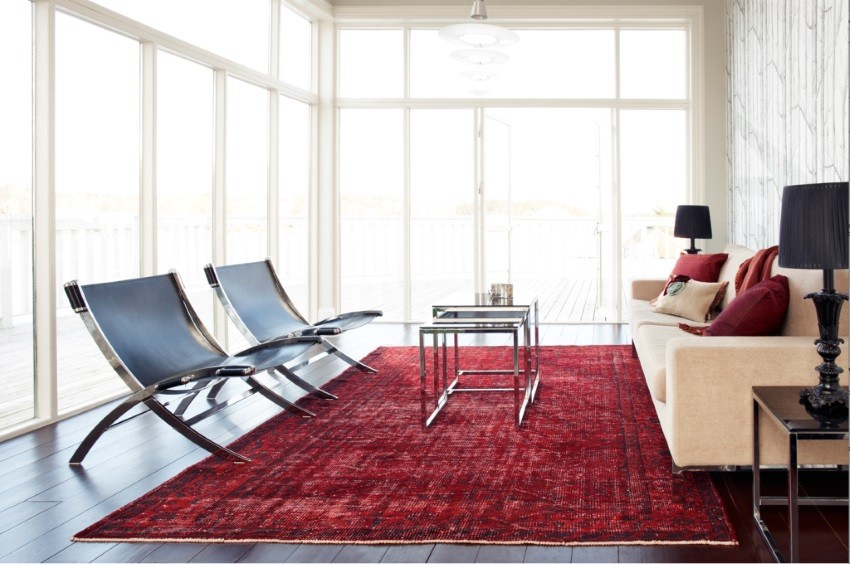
[(702, 386)]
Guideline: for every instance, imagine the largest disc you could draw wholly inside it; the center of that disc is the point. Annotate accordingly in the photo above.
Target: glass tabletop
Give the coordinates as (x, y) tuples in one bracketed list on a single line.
[(783, 402), (483, 299)]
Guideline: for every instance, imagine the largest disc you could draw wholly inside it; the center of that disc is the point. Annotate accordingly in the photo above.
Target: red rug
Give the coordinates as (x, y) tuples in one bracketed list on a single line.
[(588, 466)]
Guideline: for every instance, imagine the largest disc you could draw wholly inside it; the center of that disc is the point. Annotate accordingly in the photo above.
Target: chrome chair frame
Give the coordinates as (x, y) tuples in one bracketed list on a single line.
[(187, 382), (281, 299)]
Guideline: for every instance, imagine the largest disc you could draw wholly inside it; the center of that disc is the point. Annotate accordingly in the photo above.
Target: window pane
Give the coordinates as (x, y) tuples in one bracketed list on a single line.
[(247, 171), (542, 64), (371, 182), (184, 167), (653, 63), (16, 324), (442, 186), (371, 63), (202, 22), (294, 191), (97, 189), (654, 181), (296, 47)]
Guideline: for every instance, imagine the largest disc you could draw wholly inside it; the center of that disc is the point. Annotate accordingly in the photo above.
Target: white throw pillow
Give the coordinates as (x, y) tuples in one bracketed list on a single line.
[(691, 299)]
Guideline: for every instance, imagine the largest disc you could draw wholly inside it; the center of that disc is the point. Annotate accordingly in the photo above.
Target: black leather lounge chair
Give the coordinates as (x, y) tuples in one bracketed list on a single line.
[(255, 300), (151, 335)]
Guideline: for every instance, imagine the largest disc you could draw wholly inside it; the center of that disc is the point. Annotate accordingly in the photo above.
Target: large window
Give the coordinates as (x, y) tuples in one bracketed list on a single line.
[(371, 63), (16, 323), (296, 44), (103, 101), (653, 63), (542, 64), (442, 191), (653, 172), (97, 187), (247, 171), (184, 167), (371, 186), (293, 196), (571, 202), (236, 29)]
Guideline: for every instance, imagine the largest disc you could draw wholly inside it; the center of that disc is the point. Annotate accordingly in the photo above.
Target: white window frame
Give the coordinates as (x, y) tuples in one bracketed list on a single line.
[(688, 18), (150, 41)]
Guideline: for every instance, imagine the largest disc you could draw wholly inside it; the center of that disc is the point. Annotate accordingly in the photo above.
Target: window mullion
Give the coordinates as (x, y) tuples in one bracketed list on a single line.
[(147, 180)]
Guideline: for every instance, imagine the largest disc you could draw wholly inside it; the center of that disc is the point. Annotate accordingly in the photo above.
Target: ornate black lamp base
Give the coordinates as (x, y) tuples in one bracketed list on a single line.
[(826, 407), (827, 402)]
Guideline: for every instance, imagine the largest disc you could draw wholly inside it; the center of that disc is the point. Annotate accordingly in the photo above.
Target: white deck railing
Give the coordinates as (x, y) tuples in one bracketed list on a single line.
[(107, 249)]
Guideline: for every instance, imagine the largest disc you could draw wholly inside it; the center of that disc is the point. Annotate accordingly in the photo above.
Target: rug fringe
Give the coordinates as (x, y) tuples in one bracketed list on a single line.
[(404, 542)]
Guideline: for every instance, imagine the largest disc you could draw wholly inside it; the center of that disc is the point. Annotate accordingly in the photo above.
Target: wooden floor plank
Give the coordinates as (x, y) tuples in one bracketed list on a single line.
[(361, 553), (81, 552), (543, 554), (128, 552), (497, 553), (454, 553), (268, 552), (595, 554), (408, 553), (174, 552), (315, 553), (222, 552)]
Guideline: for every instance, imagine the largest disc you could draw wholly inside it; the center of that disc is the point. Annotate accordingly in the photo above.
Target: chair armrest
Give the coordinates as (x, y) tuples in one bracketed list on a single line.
[(322, 331), (299, 339), (646, 289), (365, 313), (205, 373)]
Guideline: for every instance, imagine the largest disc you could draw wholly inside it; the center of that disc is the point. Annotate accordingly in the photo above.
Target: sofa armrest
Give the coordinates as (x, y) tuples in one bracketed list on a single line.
[(709, 403), (647, 289)]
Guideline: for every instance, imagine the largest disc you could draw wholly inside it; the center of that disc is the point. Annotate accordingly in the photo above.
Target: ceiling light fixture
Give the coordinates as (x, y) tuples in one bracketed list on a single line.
[(479, 56), (478, 35), (479, 10), (479, 75)]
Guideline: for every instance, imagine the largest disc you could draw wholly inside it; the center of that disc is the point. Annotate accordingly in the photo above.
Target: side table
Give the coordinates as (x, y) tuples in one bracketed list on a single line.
[(782, 405)]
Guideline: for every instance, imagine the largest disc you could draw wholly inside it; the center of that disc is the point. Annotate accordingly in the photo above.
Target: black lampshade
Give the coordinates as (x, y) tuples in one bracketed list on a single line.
[(813, 226), (692, 222)]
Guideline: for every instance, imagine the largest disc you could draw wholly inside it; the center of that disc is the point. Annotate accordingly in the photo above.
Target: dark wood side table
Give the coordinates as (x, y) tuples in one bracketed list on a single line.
[(782, 405)]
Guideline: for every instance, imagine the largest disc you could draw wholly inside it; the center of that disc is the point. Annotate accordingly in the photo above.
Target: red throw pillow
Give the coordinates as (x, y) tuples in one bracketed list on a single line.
[(756, 312), (703, 268)]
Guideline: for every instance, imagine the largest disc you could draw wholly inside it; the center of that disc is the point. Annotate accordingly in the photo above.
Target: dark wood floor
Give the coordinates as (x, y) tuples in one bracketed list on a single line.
[(43, 501)]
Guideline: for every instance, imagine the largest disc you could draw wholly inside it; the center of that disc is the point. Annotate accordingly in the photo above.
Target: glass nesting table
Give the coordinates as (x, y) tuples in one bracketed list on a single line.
[(477, 314)]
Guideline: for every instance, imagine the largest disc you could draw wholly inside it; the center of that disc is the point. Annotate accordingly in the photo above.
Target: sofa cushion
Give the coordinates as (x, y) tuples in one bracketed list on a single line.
[(651, 345), (705, 268), (737, 255), (640, 313), (801, 319), (757, 312), (691, 299)]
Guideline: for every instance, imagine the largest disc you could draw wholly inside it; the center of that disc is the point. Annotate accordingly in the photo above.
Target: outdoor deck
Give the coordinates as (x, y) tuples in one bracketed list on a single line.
[(82, 368)]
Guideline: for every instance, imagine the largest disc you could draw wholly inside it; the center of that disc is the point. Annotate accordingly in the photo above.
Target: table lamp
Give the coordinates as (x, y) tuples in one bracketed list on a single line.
[(813, 234), (692, 222)]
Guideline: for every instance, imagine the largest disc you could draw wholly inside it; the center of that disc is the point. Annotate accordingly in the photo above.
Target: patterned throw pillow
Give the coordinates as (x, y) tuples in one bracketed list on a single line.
[(690, 299)]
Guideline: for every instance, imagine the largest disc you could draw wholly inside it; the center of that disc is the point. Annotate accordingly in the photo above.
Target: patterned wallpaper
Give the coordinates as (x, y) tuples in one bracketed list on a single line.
[(787, 106)]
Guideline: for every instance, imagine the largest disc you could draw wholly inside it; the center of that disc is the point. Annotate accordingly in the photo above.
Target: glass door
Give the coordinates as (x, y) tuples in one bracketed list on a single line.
[(496, 201), (547, 209)]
